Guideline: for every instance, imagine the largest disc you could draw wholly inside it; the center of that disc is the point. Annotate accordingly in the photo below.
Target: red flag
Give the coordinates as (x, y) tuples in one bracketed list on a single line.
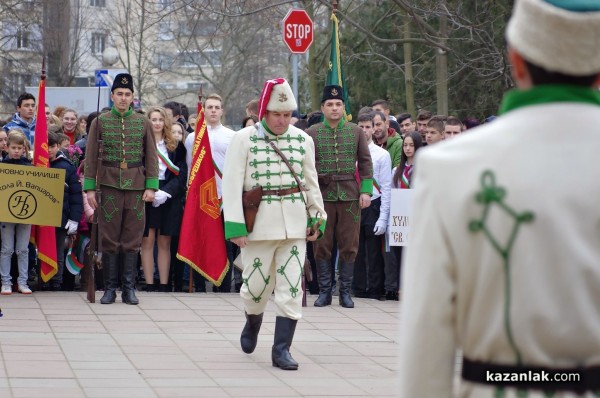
[(202, 240), (43, 236)]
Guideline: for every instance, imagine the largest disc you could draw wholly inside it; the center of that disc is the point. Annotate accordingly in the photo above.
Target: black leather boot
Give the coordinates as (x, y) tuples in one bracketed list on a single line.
[(164, 288), (130, 262), (346, 270), (249, 336), (110, 273), (324, 278), (284, 334)]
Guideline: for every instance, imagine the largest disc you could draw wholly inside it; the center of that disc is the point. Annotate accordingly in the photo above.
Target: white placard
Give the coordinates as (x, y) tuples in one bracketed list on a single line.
[(398, 227)]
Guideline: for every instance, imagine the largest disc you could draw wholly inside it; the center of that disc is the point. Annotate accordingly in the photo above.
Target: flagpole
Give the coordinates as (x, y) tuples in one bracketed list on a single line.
[(191, 281)]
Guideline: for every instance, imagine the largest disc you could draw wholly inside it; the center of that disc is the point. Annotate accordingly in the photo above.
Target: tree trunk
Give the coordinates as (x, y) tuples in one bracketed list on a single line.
[(408, 72), (313, 86), (442, 65)]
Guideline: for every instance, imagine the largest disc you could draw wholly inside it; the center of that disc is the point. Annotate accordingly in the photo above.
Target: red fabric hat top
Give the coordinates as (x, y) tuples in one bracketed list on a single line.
[(265, 95)]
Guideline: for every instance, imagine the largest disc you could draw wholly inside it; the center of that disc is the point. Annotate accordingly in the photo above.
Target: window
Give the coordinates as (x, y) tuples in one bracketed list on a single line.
[(98, 3), (22, 37), (164, 30), (163, 4), (98, 43)]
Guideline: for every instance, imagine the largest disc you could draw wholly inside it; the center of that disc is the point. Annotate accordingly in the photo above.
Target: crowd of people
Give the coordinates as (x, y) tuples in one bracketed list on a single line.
[(366, 267)]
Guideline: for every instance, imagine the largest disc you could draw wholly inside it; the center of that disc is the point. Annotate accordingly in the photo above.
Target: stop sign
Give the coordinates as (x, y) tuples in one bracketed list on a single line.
[(297, 31)]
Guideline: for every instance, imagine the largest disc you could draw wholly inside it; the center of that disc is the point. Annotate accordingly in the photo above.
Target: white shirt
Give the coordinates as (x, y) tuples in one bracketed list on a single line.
[(382, 166), (219, 138), (162, 167)]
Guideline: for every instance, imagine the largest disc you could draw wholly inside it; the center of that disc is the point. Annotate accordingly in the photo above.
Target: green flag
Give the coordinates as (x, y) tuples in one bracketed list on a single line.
[(335, 72)]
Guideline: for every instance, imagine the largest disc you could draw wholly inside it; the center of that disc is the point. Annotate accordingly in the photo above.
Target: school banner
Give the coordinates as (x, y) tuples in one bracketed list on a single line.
[(31, 195), (398, 227)]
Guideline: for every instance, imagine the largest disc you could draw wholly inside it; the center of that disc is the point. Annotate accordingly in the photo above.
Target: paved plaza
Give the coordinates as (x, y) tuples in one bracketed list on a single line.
[(56, 344)]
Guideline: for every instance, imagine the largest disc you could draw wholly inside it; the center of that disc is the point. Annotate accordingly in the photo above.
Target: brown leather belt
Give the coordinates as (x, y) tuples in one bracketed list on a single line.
[(122, 165), (342, 177), (280, 192)]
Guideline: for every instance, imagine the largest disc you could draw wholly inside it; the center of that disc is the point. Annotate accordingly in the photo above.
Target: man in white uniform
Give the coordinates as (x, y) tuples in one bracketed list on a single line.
[(503, 259), (273, 252)]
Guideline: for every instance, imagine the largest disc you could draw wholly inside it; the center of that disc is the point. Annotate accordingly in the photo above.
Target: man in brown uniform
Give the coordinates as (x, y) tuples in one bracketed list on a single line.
[(341, 150), (129, 177)]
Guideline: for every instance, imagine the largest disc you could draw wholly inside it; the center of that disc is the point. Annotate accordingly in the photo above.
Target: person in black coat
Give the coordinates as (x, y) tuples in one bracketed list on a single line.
[(164, 214), (72, 205)]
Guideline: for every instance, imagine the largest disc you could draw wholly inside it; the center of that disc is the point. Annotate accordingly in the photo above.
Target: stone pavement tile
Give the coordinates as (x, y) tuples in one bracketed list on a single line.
[(51, 392), (379, 386), (131, 327), (3, 383), (324, 348), (77, 326), (43, 383), (22, 313), (165, 361), (198, 354), (26, 338), (358, 335), (33, 356), (141, 339), (236, 367), (128, 382), (202, 335), (23, 325), (26, 349), (361, 369), (93, 353), (41, 369), (325, 387), (5, 392), (184, 327), (158, 382), (338, 359), (191, 392), (159, 301), (241, 392), (101, 365), (70, 317), (85, 340), (332, 327), (16, 301), (138, 349), (112, 392), (115, 309), (106, 374), (240, 380), (68, 311), (123, 317), (150, 374), (220, 374), (375, 349), (179, 315)]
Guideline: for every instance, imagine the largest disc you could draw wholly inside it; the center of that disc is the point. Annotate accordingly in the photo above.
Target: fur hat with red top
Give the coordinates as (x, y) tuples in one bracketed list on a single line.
[(276, 96)]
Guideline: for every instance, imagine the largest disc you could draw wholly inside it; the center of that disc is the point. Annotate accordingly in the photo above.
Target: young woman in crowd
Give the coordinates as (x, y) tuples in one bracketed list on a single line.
[(401, 179), (70, 125), (178, 132), (163, 215)]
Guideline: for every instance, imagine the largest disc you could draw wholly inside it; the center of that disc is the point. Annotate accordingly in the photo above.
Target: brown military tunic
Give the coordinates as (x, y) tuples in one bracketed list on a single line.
[(340, 153), (129, 166)]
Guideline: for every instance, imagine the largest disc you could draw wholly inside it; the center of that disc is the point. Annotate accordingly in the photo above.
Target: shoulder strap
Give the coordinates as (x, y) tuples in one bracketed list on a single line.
[(287, 163)]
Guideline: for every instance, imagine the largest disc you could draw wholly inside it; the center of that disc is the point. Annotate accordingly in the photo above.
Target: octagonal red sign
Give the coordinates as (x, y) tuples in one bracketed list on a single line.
[(298, 31)]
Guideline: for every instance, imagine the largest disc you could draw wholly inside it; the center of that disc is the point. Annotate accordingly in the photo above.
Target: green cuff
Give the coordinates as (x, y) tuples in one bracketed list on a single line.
[(89, 184), (235, 229), (366, 186), (152, 183), (313, 220)]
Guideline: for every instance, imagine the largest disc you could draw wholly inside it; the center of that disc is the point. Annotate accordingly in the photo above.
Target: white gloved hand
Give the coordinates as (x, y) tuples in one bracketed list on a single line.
[(71, 227), (160, 197), (380, 227)]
